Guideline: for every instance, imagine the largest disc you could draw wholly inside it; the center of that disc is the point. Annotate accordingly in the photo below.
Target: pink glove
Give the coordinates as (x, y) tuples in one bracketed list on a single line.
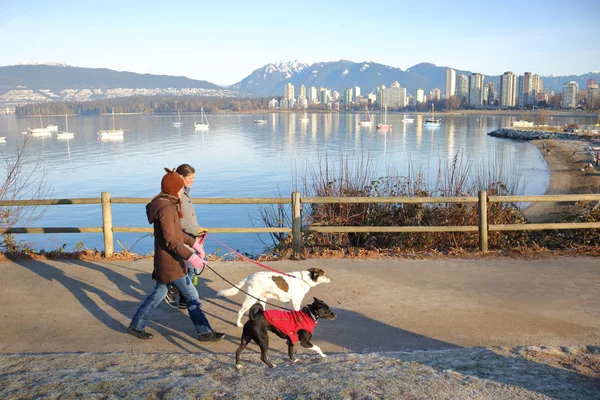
[(197, 263), (199, 249)]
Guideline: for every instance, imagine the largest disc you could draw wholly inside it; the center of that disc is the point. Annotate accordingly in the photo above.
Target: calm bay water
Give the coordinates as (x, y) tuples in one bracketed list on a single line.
[(237, 158)]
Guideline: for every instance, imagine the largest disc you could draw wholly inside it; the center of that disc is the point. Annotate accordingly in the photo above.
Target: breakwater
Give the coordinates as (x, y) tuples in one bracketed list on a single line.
[(517, 134)]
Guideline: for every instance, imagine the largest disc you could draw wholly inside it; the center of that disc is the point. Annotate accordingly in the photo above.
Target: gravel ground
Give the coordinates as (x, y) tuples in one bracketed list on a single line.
[(468, 373)]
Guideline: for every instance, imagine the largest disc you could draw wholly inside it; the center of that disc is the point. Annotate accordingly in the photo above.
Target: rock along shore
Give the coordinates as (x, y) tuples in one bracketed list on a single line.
[(516, 134)]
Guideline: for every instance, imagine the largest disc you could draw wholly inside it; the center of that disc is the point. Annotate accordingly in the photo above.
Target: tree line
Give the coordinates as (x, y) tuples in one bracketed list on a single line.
[(144, 104)]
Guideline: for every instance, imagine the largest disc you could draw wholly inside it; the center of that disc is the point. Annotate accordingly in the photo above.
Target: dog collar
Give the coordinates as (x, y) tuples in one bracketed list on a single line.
[(314, 317)]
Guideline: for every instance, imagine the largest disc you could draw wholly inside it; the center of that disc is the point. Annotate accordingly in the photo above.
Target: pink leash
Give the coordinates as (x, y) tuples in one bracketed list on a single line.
[(252, 261)]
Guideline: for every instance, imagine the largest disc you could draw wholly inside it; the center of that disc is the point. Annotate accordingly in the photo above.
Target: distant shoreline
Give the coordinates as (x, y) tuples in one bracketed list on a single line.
[(519, 113)]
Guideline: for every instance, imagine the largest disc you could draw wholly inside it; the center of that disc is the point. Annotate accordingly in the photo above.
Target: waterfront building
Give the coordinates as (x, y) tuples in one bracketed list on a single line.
[(288, 91), (302, 91), (324, 96), (450, 83), (436, 94), (593, 96), (462, 87), (589, 83), (508, 89), (347, 97), (419, 96), (371, 98), (569, 95), (476, 90), (312, 95), (356, 93), (335, 95), (273, 104), (392, 97), (490, 95), (529, 86)]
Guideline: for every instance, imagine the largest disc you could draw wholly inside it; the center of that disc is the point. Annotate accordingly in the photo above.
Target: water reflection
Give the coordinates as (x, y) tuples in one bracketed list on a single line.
[(238, 158)]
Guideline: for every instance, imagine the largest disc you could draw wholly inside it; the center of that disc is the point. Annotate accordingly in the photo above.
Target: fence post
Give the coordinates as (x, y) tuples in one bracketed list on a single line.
[(296, 225), (483, 222), (107, 225)]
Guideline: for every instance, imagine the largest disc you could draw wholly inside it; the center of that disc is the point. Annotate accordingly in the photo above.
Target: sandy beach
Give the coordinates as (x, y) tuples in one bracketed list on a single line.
[(566, 176)]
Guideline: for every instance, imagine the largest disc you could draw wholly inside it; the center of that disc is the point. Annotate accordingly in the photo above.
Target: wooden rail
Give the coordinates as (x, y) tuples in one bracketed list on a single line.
[(296, 202)]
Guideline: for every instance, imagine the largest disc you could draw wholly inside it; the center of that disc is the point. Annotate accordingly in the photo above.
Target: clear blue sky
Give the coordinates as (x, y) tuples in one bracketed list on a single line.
[(224, 41)]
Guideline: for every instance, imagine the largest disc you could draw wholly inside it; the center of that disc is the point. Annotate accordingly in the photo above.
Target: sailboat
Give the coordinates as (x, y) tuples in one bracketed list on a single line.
[(431, 121), (178, 122), (203, 125), (41, 131), (407, 119), (366, 122), (66, 134), (384, 126), (260, 121), (111, 133)]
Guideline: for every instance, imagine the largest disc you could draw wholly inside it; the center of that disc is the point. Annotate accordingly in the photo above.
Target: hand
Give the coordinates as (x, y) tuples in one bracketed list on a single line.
[(197, 263), (199, 249)]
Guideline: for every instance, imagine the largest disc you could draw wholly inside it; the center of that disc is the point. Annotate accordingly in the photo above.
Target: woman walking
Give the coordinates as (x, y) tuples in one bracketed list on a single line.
[(170, 254), (190, 226)]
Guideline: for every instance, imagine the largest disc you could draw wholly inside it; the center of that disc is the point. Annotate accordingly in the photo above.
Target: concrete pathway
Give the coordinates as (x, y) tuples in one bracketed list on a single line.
[(382, 305)]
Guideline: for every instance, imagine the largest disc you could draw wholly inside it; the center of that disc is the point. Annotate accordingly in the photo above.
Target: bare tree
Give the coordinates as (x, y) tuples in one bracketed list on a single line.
[(24, 179)]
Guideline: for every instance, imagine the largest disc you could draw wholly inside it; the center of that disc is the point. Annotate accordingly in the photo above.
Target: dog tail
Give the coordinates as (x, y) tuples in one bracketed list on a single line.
[(232, 291), (256, 310)]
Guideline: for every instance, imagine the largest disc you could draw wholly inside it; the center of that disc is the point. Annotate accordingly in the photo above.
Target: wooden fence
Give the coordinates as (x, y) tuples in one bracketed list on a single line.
[(296, 202)]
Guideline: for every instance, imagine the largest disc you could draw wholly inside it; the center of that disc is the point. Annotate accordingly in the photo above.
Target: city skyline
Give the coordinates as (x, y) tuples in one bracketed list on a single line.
[(224, 43)]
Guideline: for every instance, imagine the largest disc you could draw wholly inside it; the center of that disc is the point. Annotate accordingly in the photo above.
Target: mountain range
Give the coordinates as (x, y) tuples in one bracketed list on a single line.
[(61, 81)]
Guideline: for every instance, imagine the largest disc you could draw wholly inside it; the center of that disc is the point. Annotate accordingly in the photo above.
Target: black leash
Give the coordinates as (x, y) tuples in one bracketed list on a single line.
[(243, 291)]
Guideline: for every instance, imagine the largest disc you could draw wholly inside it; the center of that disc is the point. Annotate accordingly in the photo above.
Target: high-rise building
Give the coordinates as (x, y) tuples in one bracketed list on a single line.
[(476, 90), (372, 98), (356, 92), (347, 97), (324, 96), (312, 95), (528, 89), (288, 91), (436, 94), (538, 88), (419, 96), (450, 83), (508, 89), (569, 99), (589, 83), (302, 91), (393, 97), (462, 87), (593, 96), (490, 96)]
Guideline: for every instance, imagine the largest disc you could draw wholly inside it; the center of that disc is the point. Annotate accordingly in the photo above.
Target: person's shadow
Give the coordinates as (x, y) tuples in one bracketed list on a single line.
[(352, 331)]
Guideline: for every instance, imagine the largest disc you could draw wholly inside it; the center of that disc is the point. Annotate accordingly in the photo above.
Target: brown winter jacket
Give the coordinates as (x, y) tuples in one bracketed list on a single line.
[(169, 250)]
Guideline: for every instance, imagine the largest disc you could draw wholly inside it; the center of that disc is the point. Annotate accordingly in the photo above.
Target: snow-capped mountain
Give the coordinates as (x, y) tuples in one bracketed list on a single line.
[(338, 75), (270, 78)]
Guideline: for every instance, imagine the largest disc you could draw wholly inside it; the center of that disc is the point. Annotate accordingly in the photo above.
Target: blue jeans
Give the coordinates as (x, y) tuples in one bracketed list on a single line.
[(187, 289), (191, 274)]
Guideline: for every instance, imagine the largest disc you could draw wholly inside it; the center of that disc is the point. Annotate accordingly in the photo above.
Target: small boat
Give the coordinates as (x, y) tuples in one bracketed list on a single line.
[(260, 121), (407, 119), (52, 128), (203, 125), (41, 131), (2, 139), (178, 122), (366, 122), (110, 133), (66, 134), (384, 126), (431, 122)]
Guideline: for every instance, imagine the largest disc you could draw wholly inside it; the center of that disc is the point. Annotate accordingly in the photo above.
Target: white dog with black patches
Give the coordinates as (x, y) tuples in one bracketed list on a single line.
[(272, 285)]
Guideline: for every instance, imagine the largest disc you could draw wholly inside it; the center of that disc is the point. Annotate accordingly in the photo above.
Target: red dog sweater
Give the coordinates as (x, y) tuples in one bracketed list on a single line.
[(290, 322)]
